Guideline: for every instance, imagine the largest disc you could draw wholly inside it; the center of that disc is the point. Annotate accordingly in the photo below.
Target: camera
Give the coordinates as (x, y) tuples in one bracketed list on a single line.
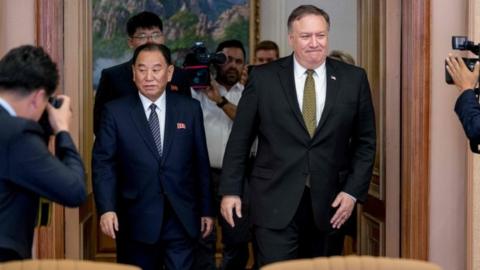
[(197, 65), (463, 44), (44, 122)]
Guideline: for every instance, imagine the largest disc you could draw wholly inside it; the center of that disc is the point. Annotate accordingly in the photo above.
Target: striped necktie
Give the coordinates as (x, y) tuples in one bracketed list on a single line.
[(155, 127)]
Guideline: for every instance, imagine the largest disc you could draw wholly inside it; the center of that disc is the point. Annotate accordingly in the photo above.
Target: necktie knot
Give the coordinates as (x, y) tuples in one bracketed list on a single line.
[(153, 107), (310, 72)]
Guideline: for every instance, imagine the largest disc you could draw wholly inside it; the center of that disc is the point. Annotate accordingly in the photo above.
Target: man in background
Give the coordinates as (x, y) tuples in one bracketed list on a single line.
[(219, 106), (28, 78), (144, 27), (266, 51), (315, 124)]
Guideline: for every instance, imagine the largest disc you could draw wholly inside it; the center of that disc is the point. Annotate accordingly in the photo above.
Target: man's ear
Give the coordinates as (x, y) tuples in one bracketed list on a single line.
[(38, 98), (130, 43), (133, 72), (170, 70)]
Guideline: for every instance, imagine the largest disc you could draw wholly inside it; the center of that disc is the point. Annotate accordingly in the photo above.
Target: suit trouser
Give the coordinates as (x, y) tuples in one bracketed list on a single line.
[(174, 249), (235, 240), (300, 239)]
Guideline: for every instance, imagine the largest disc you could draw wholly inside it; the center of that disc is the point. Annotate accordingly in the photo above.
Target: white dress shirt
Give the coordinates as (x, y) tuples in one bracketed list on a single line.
[(161, 105), (7, 107), (320, 77), (217, 124)]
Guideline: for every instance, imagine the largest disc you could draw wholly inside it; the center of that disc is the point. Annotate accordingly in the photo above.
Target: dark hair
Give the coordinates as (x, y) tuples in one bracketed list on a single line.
[(232, 43), (145, 20), (151, 47), (303, 10), (28, 68), (342, 56), (267, 45)]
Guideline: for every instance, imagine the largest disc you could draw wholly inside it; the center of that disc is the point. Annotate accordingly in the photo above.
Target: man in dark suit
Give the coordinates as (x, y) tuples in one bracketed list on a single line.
[(116, 81), (28, 77), (466, 107), (316, 129), (151, 169)]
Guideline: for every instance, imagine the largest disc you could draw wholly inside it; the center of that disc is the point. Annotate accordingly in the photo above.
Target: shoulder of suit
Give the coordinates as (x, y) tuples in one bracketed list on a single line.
[(121, 102), (13, 126), (343, 66), (121, 68)]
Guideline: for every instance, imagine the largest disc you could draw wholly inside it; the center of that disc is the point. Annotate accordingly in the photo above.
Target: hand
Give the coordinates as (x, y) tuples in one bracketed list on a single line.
[(244, 76), (60, 118), (206, 226), (227, 205), (212, 92), (462, 77), (345, 204), (109, 223)]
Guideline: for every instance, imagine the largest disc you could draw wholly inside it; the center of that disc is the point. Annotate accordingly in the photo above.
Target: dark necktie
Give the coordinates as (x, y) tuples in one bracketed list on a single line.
[(309, 103), (155, 127)]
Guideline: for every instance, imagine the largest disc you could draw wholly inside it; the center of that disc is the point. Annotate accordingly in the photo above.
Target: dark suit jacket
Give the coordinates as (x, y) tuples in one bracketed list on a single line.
[(27, 171), (339, 157), (468, 111), (132, 180), (117, 81)]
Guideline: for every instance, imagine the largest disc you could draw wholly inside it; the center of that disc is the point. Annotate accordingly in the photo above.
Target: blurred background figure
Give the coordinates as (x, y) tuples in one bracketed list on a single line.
[(266, 51)]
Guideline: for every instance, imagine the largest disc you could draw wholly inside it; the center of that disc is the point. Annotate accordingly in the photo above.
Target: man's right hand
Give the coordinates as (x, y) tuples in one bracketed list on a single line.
[(60, 118), (109, 223), (230, 202), (462, 76)]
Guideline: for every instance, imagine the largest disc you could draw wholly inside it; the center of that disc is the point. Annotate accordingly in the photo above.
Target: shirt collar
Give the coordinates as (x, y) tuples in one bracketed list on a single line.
[(160, 102), (7, 107), (299, 70)]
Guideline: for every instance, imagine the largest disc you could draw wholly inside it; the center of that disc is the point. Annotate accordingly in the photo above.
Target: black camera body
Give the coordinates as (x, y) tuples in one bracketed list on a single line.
[(463, 44), (44, 122), (197, 65)]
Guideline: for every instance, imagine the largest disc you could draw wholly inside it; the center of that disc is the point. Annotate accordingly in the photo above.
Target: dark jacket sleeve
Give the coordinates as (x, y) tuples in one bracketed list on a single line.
[(363, 145), (468, 111), (103, 165), (103, 95), (202, 165), (32, 166)]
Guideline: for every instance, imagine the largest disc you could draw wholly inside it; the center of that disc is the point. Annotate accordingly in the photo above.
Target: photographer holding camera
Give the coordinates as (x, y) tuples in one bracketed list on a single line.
[(28, 77), (467, 106), (219, 105)]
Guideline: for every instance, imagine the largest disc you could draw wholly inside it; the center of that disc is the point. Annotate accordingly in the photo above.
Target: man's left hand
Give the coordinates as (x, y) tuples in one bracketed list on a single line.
[(213, 93), (206, 226), (345, 204)]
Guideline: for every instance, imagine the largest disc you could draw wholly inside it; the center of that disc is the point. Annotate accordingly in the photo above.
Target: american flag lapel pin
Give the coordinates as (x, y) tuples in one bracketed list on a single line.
[(181, 126), (333, 77)]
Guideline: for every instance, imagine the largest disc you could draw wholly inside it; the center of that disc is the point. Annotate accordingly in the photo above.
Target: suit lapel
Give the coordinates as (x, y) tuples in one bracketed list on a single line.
[(171, 114), (140, 120), (331, 95), (286, 76)]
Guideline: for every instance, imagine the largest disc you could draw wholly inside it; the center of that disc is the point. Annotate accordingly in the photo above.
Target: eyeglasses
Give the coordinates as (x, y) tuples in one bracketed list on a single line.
[(154, 37)]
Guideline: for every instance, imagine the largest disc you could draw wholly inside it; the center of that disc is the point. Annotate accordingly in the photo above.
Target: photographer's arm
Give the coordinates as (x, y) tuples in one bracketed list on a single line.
[(466, 106), (228, 108)]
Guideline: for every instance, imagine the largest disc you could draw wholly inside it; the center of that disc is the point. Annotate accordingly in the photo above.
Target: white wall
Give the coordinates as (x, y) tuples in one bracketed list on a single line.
[(17, 23), (447, 145), (343, 18)]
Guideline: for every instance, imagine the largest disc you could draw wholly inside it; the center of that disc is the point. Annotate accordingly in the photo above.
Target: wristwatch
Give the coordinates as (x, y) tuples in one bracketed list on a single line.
[(223, 102)]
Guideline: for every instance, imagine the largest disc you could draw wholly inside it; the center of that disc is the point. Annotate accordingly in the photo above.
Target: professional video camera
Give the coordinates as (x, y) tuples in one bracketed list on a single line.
[(197, 64), (462, 43)]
